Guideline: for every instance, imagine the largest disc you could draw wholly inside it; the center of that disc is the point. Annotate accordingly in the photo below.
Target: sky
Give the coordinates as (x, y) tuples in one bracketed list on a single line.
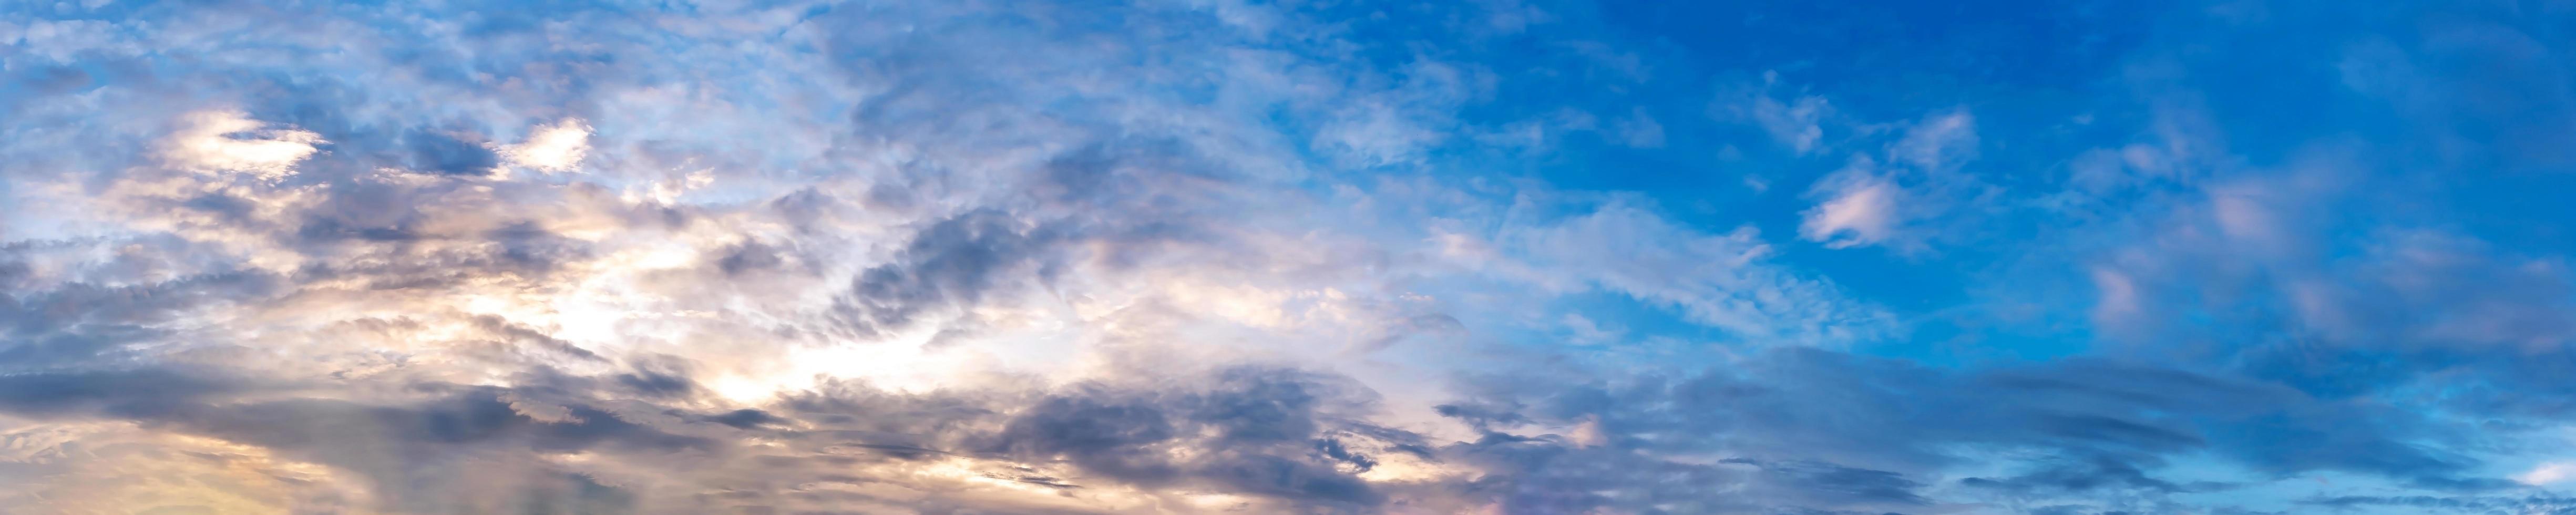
[(1217, 256)]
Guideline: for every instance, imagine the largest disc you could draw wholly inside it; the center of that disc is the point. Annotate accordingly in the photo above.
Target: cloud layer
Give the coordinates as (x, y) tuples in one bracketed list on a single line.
[(1216, 256)]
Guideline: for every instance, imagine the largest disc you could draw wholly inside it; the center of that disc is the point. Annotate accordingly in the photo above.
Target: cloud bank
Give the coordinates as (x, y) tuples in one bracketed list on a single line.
[(1216, 256)]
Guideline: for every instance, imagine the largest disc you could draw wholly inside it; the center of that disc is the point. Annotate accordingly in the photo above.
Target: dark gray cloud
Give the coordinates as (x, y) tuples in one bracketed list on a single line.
[(115, 391), (1269, 433), (81, 322), (948, 265), (1252, 431)]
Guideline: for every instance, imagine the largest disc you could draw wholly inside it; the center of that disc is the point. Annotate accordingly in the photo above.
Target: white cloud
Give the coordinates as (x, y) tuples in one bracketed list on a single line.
[(1796, 123), (1905, 202), (1938, 141), (1401, 125), (553, 148), (1719, 280), (1862, 211), (2547, 473), (229, 141)]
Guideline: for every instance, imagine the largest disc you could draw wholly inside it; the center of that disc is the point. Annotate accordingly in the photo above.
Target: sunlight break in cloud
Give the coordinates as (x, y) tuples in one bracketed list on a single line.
[(229, 141), (558, 147)]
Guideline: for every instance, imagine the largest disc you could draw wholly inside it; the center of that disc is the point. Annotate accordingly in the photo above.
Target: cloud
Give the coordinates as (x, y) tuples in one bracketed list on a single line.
[(2101, 430), (2546, 473), (2529, 504), (1208, 257), (1796, 123), (1912, 198), (1639, 130), (1940, 140), (1721, 280), (435, 336), (1860, 210), (229, 141), (949, 265), (557, 147)]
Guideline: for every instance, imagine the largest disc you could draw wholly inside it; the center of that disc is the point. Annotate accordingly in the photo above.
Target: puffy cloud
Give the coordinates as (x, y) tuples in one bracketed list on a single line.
[(229, 141), (556, 147), (1908, 200), (1860, 210)]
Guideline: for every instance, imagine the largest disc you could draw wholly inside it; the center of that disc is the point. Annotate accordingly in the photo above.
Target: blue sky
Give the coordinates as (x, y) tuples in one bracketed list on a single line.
[(1197, 256)]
